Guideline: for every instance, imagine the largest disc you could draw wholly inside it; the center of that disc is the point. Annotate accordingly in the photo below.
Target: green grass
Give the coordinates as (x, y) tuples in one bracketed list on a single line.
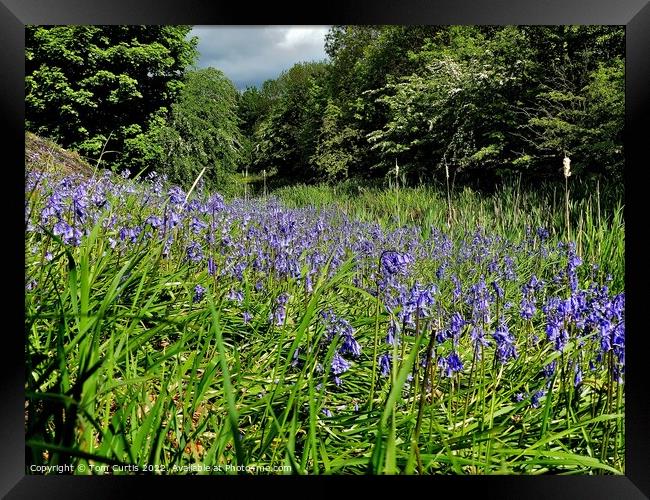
[(124, 370), (596, 214)]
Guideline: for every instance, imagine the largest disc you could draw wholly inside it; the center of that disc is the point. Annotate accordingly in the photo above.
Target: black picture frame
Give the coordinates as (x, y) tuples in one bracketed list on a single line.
[(634, 14)]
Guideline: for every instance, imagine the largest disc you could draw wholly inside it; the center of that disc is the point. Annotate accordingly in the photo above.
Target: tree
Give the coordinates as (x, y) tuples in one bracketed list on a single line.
[(85, 84), (285, 140), (452, 114), (337, 150), (473, 102), (203, 131), (364, 59), (577, 107)]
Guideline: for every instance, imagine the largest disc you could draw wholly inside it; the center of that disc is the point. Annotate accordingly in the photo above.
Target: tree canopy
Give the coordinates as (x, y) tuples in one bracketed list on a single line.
[(473, 102), (85, 84), (477, 102), (202, 132)]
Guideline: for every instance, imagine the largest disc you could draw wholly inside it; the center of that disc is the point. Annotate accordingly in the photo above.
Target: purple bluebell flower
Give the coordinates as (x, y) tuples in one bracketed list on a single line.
[(528, 308), (212, 267), (215, 203), (392, 332), (395, 262), (295, 358), (336, 327), (350, 346), (154, 221), (478, 338), (385, 364), (70, 235), (197, 225), (199, 292), (194, 252), (176, 195), (549, 369), (498, 290), (450, 364), (505, 343), (457, 287), (236, 296), (339, 365), (509, 268), (454, 363), (535, 399), (577, 380), (279, 316)]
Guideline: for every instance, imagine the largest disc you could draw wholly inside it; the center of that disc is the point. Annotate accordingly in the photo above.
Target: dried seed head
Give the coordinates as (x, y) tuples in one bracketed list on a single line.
[(567, 166)]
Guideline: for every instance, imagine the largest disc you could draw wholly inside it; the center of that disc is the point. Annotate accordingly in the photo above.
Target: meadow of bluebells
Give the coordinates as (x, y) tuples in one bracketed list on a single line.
[(323, 310)]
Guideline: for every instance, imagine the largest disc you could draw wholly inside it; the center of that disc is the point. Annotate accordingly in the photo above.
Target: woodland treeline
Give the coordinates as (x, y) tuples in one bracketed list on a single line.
[(475, 103)]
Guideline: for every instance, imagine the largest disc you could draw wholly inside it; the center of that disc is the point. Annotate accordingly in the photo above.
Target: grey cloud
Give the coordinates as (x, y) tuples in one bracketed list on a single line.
[(249, 55)]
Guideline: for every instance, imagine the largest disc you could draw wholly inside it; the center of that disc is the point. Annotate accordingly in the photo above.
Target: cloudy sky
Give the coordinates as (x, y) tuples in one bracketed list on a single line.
[(250, 55)]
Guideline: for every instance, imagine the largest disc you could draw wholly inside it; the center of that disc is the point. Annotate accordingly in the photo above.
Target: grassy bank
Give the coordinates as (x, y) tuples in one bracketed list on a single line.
[(321, 332)]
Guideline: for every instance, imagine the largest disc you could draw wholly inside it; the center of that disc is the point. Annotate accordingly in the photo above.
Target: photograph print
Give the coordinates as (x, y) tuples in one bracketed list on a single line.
[(324, 250)]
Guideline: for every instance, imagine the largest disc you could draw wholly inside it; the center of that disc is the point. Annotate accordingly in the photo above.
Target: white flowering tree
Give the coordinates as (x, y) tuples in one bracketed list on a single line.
[(443, 118)]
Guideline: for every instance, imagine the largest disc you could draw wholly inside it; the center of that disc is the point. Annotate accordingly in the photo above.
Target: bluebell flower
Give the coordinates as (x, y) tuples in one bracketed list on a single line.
[(392, 332), (549, 369), (528, 308), (454, 363), (577, 380), (339, 365), (457, 287), (497, 289), (295, 357), (535, 399), (199, 292), (212, 268), (176, 195), (395, 262), (236, 296), (505, 343), (194, 252), (385, 364), (478, 338), (278, 317), (70, 235), (450, 364), (350, 346)]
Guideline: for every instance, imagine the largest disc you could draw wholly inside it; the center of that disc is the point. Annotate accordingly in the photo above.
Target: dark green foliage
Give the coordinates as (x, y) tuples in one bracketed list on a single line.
[(337, 150), (85, 84), (471, 103), (203, 131), (465, 104), (577, 108), (285, 138)]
